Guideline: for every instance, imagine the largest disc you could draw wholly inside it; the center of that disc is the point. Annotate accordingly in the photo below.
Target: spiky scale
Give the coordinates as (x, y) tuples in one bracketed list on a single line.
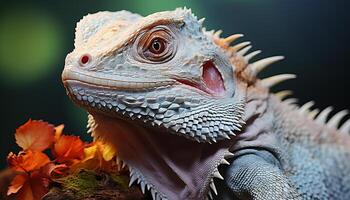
[(306, 107), (133, 178), (232, 38), (218, 175), (251, 55), (259, 65), (274, 80), (244, 50), (335, 120), (213, 187), (345, 128), (239, 46), (322, 117), (283, 94)]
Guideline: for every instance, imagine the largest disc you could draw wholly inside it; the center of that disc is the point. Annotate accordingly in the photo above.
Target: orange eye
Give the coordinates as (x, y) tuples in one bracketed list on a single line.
[(157, 46)]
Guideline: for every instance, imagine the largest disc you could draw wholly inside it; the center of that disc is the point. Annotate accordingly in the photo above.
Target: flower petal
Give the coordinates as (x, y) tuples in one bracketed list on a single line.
[(17, 183), (35, 135), (68, 148), (27, 161)]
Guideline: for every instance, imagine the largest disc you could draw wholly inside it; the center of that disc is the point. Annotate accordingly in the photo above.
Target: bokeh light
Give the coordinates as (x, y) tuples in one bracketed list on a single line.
[(30, 42)]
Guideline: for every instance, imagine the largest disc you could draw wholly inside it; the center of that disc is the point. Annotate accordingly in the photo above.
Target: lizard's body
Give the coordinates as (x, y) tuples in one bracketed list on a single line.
[(177, 102)]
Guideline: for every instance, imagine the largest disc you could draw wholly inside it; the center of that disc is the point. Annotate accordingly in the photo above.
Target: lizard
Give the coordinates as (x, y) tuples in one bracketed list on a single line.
[(186, 111)]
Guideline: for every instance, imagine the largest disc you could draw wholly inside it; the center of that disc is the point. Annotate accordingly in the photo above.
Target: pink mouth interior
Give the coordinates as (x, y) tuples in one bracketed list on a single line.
[(212, 80)]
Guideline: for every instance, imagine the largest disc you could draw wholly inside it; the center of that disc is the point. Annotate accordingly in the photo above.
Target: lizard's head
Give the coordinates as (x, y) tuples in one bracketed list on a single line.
[(163, 70)]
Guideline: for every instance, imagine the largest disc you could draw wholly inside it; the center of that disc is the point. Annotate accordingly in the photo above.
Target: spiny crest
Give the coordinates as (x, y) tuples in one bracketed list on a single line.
[(240, 57), (319, 117)]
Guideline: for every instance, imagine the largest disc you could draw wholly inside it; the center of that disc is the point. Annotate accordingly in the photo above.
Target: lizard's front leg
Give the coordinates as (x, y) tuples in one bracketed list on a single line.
[(255, 174)]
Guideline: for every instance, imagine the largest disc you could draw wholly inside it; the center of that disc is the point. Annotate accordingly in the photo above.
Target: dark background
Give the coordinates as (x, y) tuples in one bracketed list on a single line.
[(35, 36)]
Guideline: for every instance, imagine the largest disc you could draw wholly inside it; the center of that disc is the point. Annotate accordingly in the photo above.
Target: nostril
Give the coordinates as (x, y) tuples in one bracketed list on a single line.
[(84, 59)]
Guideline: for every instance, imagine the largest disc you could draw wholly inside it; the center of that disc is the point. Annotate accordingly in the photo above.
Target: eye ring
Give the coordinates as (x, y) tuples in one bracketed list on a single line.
[(84, 59), (156, 45)]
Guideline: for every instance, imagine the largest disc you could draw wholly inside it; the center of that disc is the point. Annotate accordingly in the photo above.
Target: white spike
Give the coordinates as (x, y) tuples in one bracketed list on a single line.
[(201, 21), (345, 128), (210, 195), (290, 101), (283, 94), (239, 46), (335, 120), (224, 162), (153, 194), (274, 80), (218, 175), (218, 33), (229, 155), (312, 114), (306, 107), (132, 179), (322, 117), (232, 38), (212, 186), (143, 187), (251, 55), (244, 50), (123, 165), (259, 65), (225, 135)]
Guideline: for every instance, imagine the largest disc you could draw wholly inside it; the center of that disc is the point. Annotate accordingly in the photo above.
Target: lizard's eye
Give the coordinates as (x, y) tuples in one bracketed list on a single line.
[(156, 45)]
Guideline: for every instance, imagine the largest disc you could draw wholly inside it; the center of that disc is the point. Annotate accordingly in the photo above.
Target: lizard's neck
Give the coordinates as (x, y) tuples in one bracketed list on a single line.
[(175, 167)]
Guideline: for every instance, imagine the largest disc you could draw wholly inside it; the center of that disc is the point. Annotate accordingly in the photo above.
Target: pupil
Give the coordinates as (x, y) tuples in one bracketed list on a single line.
[(156, 45)]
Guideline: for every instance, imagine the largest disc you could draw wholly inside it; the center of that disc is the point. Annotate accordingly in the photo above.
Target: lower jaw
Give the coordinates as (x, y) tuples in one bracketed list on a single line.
[(173, 167)]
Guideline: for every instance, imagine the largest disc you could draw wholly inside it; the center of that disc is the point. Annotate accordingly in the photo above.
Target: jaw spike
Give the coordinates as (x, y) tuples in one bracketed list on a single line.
[(210, 195), (322, 117), (335, 120), (212, 186), (244, 50), (232, 38), (132, 180), (229, 155), (306, 107), (251, 55), (239, 46), (345, 128), (274, 80), (224, 162), (143, 187), (218, 175), (283, 94), (259, 65)]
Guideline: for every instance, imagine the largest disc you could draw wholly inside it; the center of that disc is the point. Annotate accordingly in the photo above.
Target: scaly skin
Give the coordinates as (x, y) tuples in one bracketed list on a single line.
[(177, 102)]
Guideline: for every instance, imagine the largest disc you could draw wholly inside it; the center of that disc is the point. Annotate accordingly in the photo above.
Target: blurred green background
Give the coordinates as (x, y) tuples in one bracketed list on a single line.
[(35, 36)]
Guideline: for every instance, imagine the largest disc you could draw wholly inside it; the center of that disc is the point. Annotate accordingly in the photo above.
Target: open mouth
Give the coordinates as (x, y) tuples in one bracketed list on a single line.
[(212, 81)]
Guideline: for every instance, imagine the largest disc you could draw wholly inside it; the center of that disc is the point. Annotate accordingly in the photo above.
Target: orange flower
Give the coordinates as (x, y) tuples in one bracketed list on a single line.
[(68, 148), (27, 161), (28, 186), (97, 156), (35, 135)]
